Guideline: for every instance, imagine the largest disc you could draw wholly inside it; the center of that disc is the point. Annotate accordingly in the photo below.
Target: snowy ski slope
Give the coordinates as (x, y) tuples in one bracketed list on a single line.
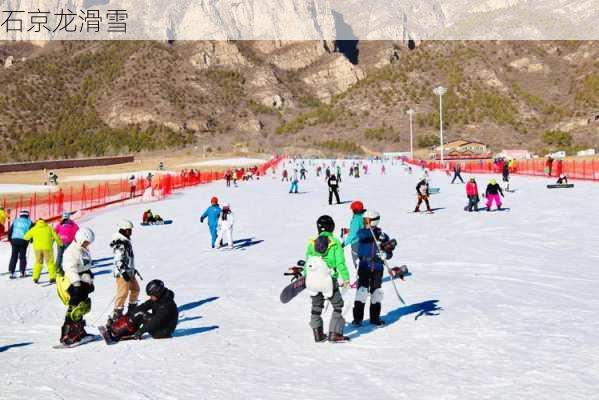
[(500, 305)]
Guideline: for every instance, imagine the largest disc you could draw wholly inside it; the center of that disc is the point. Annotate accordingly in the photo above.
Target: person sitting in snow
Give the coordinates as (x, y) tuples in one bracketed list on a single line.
[(149, 218)]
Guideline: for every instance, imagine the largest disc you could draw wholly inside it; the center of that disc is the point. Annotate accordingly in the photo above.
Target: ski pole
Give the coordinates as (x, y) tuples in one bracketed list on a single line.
[(386, 266)]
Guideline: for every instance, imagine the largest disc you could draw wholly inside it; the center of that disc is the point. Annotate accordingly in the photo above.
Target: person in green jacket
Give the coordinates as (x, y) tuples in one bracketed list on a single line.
[(43, 237), (357, 223), (328, 248)]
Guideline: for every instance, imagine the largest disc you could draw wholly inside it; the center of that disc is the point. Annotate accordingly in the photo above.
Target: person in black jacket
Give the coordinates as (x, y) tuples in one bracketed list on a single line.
[(492, 194), (423, 193), (333, 183), (158, 316)]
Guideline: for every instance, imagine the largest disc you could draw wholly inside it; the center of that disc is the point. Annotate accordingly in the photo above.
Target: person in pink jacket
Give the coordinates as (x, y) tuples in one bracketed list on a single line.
[(472, 193), (66, 230)]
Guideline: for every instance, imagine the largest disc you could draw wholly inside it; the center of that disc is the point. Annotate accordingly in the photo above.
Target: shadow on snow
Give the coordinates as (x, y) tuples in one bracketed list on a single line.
[(195, 304), (193, 331), (12, 346)]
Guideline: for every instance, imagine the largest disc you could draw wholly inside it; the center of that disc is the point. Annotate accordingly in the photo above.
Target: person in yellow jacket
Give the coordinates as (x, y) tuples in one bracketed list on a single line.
[(43, 237)]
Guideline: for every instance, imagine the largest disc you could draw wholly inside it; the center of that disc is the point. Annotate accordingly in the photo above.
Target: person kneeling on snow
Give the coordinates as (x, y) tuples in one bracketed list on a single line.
[(370, 269), (158, 316), (149, 218), (325, 262), (225, 227), (74, 284), (492, 194)]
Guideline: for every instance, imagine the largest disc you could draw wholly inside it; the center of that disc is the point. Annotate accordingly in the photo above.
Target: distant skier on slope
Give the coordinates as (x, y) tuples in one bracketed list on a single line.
[(370, 270), (333, 184), (492, 194), (75, 282), (422, 190), (225, 227), (472, 194), (294, 182), (16, 232), (43, 237), (213, 214), (457, 173), (321, 280)]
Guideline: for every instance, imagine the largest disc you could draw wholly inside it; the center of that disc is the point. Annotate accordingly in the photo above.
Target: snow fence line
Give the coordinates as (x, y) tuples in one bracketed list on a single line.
[(87, 199), (587, 170)]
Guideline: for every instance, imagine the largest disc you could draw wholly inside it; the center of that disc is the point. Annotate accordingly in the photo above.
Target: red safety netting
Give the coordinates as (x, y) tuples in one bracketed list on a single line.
[(573, 169), (88, 198)]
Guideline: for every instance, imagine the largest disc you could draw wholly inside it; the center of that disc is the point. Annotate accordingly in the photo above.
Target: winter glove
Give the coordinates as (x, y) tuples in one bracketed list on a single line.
[(126, 276), (202, 220)]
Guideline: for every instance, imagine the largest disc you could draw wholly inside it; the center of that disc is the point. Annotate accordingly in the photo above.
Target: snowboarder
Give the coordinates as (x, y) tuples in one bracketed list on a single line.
[(562, 180), (338, 173), (124, 271), (75, 283), (157, 316), (321, 280), (423, 194), (333, 184), (16, 232), (548, 165), (505, 172), (457, 173), (228, 177), (356, 171), (149, 218), (43, 237), (370, 269), (492, 194), (213, 214), (383, 169), (472, 194), (225, 227), (357, 223), (66, 230), (132, 186), (294, 183), (327, 173)]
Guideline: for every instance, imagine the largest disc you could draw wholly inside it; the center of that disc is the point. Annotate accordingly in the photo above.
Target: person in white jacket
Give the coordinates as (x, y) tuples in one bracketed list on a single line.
[(75, 285), (225, 227)]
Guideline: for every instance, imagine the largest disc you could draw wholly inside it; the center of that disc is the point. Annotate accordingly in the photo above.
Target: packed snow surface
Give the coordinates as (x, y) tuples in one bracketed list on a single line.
[(500, 305), (113, 177), (235, 162), (6, 188)]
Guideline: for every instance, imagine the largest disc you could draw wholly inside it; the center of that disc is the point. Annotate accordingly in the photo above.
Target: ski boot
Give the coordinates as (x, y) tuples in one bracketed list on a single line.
[(319, 335), (12, 276), (117, 313), (358, 313), (375, 315), (72, 331), (335, 337)]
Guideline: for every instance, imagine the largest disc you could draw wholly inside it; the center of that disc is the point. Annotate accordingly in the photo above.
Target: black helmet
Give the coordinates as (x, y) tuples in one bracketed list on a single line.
[(325, 224), (155, 288)]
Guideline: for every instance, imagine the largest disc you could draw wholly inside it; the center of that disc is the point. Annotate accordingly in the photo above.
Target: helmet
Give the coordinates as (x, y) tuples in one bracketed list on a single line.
[(214, 200), (66, 215), (325, 224), (85, 235), (493, 181), (357, 206), (125, 224), (373, 216), (155, 288), (24, 213)]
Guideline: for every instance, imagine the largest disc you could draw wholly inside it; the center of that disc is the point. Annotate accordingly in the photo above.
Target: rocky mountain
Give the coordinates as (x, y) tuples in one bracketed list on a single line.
[(64, 99)]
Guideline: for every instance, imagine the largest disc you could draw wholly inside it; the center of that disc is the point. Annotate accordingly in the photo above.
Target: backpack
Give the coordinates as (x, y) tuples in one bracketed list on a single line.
[(318, 277)]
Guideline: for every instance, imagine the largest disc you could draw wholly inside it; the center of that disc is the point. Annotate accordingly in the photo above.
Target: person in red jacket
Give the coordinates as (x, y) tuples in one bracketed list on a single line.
[(472, 193)]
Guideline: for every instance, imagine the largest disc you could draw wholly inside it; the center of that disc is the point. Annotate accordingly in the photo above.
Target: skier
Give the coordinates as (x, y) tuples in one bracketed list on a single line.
[(43, 237), (357, 223), (333, 189), (16, 232), (327, 173), (318, 170), (228, 177), (294, 183), (383, 169), (457, 170), (472, 194), (213, 214), (66, 230), (351, 170), (303, 173), (370, 270), (75, 283), (149, 218), (327, 248), (124, 271), (423, 194), (339, 173), (356, 171), (225, 227), (562, 180), (506, 172), (492, 194), (157, 316)]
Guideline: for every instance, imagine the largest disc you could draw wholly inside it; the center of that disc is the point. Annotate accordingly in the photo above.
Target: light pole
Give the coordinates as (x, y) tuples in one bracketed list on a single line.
[(411, 113), (440, 91)]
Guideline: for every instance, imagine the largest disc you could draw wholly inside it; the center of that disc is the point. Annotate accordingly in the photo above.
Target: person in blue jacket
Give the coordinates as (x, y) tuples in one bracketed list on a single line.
[(357, 223), (213, 214), (16, 232)]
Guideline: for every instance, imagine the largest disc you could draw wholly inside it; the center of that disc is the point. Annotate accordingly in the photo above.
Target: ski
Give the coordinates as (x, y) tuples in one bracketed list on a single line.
[(85, 340)]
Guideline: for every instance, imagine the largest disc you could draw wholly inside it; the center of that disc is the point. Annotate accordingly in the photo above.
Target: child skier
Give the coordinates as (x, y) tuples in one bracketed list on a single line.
[(357, 223), (66, 230), (225, 227), (370, 270), (213, 214), (75, 283), (321, 280), (43, 237), (423, 194), (294, 183), (16, 232), (472, 194), (492, 194), (124, 270)]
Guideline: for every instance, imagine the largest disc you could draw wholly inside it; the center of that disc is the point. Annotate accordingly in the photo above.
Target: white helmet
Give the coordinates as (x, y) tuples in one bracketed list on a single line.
[(125, 224), (373, 216), (85, 235)]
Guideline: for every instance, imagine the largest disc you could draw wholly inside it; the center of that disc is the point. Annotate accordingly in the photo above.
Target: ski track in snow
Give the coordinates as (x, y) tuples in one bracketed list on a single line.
[(499, 305)]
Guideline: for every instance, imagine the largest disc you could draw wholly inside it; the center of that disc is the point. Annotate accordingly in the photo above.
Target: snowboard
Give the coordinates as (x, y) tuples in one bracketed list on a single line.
[(293, 289), (106, 335), (165, 222), (85, 340), (434, 190), (562, 186)]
